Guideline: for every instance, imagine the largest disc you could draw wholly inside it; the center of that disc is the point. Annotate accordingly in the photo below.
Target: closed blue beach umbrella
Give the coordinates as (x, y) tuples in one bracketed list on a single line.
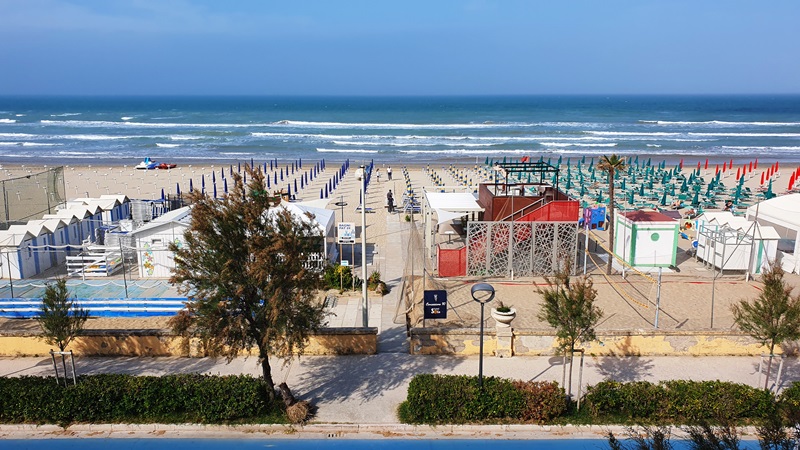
[(191, 185), (163, 197), (295, 184), (276, 177), (225, 185), (215, 190), (265, 167), (268, 182), (252, 165), (213, 177), (240, 167), (320, 193), (178, 189), (203, 181)]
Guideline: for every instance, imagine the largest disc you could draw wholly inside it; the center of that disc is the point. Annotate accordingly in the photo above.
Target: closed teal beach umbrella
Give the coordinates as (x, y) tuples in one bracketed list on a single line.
[(664, 199)]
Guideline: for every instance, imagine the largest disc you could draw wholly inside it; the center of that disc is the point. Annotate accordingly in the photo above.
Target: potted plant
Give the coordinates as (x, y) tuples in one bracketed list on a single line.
[(504, 314)]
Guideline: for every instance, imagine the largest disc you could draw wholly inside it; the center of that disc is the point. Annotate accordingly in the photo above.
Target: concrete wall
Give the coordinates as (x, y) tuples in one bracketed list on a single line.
[(329, 341), (465, 341)]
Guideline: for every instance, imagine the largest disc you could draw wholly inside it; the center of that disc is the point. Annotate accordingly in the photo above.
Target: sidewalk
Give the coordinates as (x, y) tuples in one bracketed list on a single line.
[(368, 389)]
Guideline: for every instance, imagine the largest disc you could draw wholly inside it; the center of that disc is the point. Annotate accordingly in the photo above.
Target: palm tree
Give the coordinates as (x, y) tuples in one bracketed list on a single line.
[(610, 165)]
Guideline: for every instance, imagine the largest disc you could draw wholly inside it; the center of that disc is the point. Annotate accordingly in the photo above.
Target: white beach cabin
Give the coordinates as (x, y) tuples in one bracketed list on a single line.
[(646, 239), (152, 241), (730, 242), (783, 214)]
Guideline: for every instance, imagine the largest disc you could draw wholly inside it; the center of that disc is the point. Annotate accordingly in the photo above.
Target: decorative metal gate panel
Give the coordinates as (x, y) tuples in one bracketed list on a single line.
[(503, 249)]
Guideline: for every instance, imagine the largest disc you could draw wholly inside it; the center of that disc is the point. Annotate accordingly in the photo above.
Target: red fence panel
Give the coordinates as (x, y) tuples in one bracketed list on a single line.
[(452, 262), (555, 211)]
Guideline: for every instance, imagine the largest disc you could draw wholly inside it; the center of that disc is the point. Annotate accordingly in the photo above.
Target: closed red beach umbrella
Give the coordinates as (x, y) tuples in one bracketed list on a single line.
[(731, 164), (698, 165), (756, 163), (706, 167), (744, 169), (751, 166), (791, 182), (777, 166), (738, 173), (681, 164), (762, 177)]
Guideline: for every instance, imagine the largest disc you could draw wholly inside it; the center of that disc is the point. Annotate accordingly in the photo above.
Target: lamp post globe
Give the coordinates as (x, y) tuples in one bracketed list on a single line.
[(482, 293)]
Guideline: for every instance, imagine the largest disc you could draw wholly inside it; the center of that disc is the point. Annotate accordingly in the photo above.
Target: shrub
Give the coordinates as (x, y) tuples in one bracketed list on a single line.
[(338, 277), (131, 399), (439, 399), (716, 401), (544, 401), (638, 400), (789, 403), (679, 401)]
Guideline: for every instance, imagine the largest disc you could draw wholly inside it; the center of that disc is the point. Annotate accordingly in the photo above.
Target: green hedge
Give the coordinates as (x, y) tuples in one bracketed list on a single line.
[(680, 401), (132, 399), (438, 399), (789, 403)]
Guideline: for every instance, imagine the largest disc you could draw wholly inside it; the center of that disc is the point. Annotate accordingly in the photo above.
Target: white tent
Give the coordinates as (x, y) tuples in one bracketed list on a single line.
[(447, 206), (783, 214), (323, 221)]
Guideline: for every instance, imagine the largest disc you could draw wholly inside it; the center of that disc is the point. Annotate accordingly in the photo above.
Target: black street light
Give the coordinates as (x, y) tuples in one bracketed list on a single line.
[(482, 293)]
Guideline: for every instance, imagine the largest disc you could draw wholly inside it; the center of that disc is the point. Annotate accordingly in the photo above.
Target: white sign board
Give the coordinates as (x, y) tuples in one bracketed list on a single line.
[(346, 233)]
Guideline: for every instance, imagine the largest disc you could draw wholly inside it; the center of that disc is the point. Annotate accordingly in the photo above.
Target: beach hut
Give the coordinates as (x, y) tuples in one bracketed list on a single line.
[(25, 248), (783, 214), (646, 238), (324, 223), (152, 240), (730, 242)]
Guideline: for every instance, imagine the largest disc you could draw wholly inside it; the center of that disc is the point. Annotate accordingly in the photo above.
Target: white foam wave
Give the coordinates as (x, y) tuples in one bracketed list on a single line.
[(73, 153), (654, 145), (570, 144), (335, 150), (27, 144), (125, 118), (19, 115), (185, 138), (633, 133), (364, 125), (108, 123), (409, 144), (722, 123), (17, 135), (65, 115), (8, 121), (465, 151), (758, 148), (746, 134), (160, 145), (237, 153)]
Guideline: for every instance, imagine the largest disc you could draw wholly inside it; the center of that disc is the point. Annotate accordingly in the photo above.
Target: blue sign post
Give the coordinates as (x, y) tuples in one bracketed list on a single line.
[(435, 305)]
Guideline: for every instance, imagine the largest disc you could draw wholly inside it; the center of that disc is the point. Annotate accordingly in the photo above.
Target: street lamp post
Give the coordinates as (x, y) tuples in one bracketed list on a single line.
[(362, 179), (482, 293)]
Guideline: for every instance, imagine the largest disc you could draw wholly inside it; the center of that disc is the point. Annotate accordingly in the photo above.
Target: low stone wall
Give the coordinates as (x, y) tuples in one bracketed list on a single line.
[(505, 342), (328, 341)]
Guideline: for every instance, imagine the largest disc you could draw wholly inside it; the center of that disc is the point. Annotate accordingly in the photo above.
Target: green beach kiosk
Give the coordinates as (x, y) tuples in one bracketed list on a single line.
[(646, 239)]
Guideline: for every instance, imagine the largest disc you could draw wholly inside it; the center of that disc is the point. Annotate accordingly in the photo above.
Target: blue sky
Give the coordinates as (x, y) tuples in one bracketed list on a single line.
[(408, 47)]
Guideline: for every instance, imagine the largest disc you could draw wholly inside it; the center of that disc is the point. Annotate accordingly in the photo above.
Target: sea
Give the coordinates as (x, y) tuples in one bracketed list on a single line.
[(396, 130)]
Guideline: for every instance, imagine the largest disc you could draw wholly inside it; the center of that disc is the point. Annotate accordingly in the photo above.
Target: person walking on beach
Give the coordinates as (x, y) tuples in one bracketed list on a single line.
[(390, 201), (389, 173)]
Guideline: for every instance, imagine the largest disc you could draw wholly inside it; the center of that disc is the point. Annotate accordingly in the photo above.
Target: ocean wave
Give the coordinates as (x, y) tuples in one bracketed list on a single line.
[(160, 145), (185, 138), (8, 121), (363, 125), (125, 118), (65, 115), (654, 145), (465, 151), (761, 148), (108, 123), (238, 153), (721, 123), (27, 144), (17, 135), (745, 134), (570, 144), (335, 150), (410, 144), (634, 133), (74, 153)]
